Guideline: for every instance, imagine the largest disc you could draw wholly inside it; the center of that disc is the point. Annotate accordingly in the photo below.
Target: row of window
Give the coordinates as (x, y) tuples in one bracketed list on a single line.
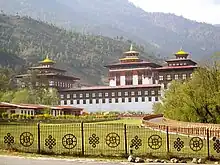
[(178, 64), (26, 112), (98, 101), (176, 77), (113, 94), (60, 84)]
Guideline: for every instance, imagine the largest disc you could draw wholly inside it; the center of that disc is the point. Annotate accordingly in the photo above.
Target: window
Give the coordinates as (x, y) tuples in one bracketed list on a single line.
[(161, 78), (159, 92), (132, 93), (129, 99), (100, 94), (74, 95), (113, 94), (51, 83), (143, 99), (61, 96), (184, 76), (106, 94), (136, 99), (93, 94), (156, 98), (126, 93), (176, 76), (123, 100), (68, 96), (116, 100), (152, 92), (97, 101), (110, 100), (103, 100), (139, 93), (119, 93), (84, 101), (87, 95), (81, 95), (21, 111), (78, 101), (71, 101), (168, 77), (146, 92), (90, 101), (65, 102)]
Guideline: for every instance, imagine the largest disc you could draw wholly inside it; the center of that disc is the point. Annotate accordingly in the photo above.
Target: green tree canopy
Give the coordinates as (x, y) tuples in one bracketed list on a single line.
[(196, 100)]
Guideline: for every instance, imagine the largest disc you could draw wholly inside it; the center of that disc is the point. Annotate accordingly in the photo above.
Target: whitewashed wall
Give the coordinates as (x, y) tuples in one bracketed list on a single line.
[(126, 106)]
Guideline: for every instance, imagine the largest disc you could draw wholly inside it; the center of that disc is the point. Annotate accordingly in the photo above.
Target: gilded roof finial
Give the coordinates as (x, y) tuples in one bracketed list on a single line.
[(131, 47)]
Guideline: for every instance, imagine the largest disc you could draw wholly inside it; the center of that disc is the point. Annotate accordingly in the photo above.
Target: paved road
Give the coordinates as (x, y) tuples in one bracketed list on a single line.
[(10, 160), (6, 160)]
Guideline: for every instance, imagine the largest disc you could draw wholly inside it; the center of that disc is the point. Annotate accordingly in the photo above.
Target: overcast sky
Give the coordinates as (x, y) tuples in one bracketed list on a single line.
[(200, 10)]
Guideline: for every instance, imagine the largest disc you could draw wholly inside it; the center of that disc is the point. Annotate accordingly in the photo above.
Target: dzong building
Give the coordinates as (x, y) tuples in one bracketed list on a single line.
[(134, 84)]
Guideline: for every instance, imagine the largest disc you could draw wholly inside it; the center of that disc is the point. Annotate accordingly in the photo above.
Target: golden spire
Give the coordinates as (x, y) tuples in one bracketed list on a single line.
[(131, 47), (47, 60)]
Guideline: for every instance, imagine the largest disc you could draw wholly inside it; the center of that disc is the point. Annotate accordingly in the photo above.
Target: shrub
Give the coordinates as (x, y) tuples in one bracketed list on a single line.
[(15, 116), (5, 115)]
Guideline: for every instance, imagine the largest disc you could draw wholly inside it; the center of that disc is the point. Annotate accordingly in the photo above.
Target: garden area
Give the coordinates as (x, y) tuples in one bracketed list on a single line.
[(113, 138)]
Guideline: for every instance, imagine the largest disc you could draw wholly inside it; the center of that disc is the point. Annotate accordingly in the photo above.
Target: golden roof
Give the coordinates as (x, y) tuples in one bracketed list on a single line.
[(181, 52), (47, 60)]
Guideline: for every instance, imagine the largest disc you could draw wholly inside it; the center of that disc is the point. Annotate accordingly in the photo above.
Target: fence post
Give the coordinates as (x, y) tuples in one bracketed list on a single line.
[(82, 133), (208, 145), (168, 144), (125, 135), (38, 138)]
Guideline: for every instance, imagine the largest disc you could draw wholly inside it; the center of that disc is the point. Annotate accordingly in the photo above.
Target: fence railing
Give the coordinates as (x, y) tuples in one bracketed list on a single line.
[(106, 139)]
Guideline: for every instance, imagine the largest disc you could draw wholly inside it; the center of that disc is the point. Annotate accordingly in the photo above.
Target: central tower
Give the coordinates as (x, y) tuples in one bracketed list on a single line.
[(131, 70)]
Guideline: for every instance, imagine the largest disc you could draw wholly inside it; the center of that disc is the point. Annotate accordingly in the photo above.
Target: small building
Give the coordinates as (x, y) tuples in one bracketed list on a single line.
[(35, 109), (66, 110)]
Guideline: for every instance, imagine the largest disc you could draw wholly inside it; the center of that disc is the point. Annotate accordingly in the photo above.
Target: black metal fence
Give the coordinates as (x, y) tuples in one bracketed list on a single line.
[(105, 139)]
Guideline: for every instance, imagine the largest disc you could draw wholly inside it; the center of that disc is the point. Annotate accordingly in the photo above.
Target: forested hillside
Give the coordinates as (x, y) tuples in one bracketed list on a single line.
[(83, 55), (159, 32)]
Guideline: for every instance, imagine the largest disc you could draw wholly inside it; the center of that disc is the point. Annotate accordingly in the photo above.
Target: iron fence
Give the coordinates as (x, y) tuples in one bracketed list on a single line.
[(106, 139)]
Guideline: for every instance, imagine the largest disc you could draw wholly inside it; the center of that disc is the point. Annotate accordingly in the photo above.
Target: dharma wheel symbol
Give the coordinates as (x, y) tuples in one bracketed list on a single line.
[(155, 142), (113, 140)]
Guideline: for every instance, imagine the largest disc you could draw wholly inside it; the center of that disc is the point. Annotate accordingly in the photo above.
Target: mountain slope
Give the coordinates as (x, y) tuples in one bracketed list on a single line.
[(166, 32), (10, 60), (82, 55)]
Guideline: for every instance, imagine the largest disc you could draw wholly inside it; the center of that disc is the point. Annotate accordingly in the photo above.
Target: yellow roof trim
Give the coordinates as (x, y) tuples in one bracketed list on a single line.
[(129, 58)]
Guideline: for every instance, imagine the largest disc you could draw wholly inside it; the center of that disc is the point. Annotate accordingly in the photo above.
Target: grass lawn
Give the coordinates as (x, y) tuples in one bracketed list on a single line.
[(99, 139), (128, 121)]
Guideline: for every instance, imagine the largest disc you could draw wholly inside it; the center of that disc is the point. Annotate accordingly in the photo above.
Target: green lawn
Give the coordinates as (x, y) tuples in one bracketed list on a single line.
[(106, 138), (126, 121)]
